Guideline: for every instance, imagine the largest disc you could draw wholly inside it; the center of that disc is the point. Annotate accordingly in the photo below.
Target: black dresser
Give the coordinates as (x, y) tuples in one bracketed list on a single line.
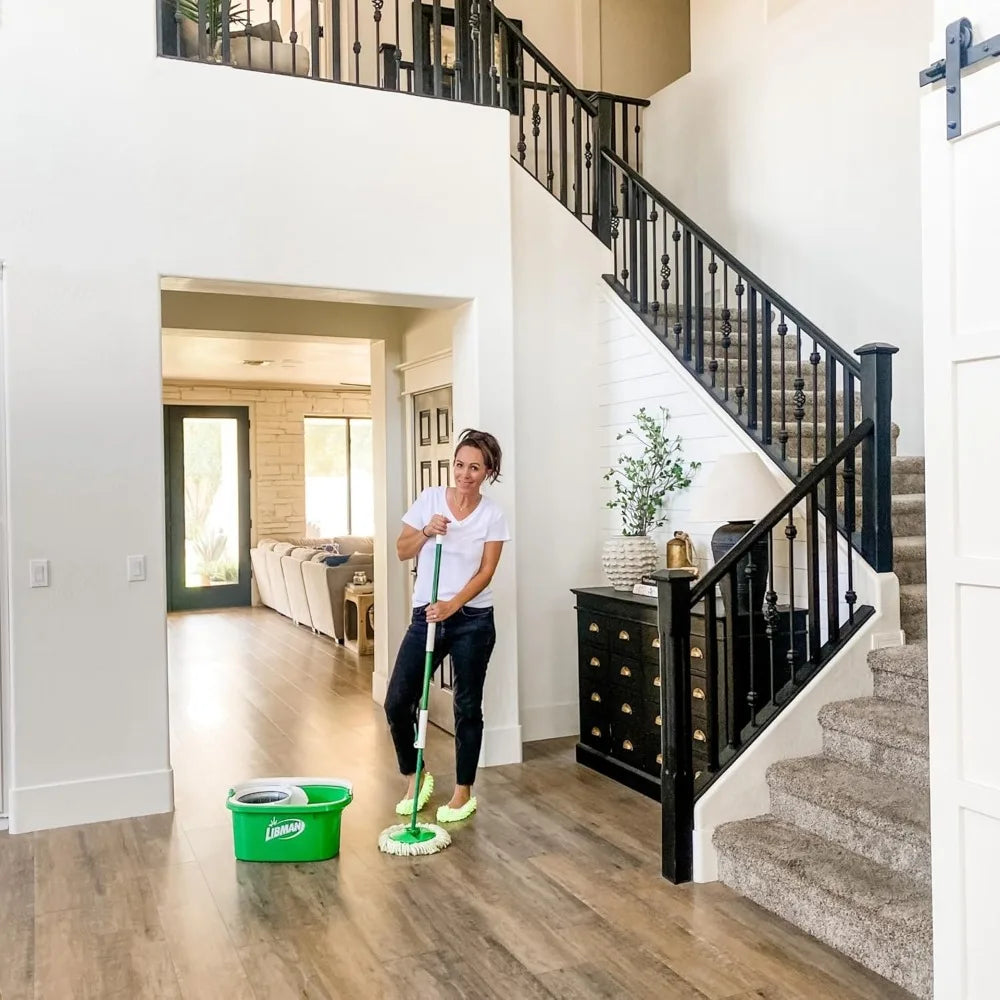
[(619, 672)]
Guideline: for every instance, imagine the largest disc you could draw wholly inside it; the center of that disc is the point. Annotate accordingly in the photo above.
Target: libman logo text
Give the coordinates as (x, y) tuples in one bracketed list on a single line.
[(284, 829)]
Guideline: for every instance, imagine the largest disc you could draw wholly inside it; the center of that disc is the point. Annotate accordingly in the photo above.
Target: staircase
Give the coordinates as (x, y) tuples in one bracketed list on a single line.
[(844, 853)]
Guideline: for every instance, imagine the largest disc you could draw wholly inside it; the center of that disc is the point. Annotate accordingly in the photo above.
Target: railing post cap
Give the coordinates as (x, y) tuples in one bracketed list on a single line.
[(672, 574), (876, 349)]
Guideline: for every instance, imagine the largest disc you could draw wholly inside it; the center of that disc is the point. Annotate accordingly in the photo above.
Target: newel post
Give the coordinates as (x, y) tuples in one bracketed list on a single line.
[(677, 775), (876, 455), (604, 196)]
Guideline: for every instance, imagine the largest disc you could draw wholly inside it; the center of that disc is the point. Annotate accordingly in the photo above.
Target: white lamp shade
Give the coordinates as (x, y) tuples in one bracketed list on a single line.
[(739, 487)]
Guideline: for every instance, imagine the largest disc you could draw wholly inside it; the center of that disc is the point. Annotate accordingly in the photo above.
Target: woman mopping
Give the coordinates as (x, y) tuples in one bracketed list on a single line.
[(475, 530)]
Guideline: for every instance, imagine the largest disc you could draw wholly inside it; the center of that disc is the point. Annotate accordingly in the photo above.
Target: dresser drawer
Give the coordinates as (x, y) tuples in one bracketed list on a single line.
[(594, 729), (628, 677), (594, 629), (628, 710), (595, 666), (626, 638)]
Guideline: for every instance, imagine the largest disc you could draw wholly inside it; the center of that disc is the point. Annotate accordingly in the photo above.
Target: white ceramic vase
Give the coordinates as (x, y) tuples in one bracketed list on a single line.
[(627, 559)]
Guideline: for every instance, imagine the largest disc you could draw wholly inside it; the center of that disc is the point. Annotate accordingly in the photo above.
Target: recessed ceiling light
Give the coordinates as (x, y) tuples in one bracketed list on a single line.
[(256, 364)]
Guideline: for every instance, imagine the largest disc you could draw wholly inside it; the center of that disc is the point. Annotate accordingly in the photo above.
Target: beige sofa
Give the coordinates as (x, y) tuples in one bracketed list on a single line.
[(293, 578)]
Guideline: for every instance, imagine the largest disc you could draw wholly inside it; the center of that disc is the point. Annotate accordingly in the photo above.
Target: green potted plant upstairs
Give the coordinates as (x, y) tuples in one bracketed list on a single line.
[(642, 482)]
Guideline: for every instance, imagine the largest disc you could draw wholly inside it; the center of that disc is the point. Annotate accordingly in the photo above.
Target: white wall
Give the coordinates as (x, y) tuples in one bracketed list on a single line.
[(557, 268), (115, 172), (794, 142)]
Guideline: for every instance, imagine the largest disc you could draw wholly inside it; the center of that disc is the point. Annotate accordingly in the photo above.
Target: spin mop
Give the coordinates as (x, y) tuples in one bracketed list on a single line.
[(415, 838)]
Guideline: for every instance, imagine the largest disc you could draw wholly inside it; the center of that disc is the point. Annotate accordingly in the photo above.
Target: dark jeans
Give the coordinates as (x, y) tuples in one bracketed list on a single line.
[(469, 636)]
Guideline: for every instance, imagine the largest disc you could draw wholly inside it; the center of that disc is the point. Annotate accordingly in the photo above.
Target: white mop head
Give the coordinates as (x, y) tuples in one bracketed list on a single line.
[(393, 841)]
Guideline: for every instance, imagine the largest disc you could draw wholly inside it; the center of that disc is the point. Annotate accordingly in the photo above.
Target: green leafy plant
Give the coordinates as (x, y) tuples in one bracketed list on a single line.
[(223, 571), (642, 481), (215, 15), (210, 548)]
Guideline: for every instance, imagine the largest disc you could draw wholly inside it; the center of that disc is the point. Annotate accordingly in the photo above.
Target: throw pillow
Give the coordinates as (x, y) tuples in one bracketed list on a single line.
[(336, 560), (267, 32)]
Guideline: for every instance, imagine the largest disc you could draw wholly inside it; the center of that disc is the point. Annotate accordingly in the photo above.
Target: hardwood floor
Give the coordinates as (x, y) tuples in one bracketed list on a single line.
[(552, 890)]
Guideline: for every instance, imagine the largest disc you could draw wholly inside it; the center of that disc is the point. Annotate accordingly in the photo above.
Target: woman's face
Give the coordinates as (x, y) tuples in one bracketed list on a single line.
[(469, 469)]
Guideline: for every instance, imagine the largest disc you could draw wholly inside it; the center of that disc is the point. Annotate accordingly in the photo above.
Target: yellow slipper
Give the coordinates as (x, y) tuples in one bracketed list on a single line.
[(405, 806), (448, 815)]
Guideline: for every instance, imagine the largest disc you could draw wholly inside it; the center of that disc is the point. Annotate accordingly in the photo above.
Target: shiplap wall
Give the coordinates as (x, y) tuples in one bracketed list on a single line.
[(637, 371)]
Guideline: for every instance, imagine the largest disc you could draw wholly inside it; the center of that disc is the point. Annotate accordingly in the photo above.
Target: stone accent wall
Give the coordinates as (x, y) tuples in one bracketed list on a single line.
[(277, 442)]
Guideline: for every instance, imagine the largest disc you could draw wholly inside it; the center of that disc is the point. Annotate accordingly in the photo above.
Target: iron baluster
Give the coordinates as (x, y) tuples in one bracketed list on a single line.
[(740, 387), (713, 365), (799, 398), (653, 217), (783, 431)]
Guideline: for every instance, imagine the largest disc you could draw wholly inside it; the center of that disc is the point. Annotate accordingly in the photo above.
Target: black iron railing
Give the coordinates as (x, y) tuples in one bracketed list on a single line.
[(777, 607), (469, 51), (791, 387)]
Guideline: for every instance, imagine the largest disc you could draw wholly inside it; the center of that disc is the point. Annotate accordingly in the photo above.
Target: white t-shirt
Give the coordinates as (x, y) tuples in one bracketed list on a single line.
[(462, 547)]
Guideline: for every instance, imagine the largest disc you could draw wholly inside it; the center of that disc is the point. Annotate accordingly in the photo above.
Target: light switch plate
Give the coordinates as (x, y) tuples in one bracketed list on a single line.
[(39, 573), (136, 569)]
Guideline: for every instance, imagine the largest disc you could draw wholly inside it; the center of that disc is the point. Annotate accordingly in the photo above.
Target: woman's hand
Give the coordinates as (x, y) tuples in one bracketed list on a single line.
[(441, 611), (438, 525)]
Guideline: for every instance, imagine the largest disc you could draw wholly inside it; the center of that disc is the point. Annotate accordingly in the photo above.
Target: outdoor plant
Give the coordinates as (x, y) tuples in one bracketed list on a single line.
[(210, 547), (642, 481)]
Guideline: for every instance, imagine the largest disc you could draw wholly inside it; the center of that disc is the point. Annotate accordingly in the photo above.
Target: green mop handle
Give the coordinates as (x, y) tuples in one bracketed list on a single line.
[(421, 738)]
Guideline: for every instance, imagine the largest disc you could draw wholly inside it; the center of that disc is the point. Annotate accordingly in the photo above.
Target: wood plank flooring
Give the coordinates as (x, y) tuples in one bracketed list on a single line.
[(551, 891)]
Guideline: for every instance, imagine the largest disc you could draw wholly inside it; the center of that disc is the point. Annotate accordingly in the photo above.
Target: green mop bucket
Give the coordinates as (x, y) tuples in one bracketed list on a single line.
[(270, 831)]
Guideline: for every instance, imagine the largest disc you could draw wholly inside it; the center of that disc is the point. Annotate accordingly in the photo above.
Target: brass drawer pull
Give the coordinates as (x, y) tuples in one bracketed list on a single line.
[(699, 736), (627, 709), (594, 661), (627, 745), (656, 681), (625, 672), (595, 697), (623, 635), (594, 627), (698, 694), (659, 721), (656, 643), (696, 653), (596, 731)]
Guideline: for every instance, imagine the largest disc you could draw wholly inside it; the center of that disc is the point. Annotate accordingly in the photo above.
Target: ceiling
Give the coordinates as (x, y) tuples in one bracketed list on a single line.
[(204, 356)]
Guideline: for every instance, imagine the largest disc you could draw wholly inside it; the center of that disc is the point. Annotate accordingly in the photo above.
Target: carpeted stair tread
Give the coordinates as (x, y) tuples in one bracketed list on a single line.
[(890, 723), (909, 547), (886, 806), (909, 465), (913, 610), (878, 917), (909, 660), (909, 554), (900, 673)]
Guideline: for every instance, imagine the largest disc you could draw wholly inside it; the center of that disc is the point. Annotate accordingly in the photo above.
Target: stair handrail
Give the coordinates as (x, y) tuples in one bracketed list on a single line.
[(830, 345), (550, 67)]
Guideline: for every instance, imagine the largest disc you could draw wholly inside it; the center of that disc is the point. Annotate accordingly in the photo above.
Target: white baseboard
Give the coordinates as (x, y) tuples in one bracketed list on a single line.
[(705, 867), (501, 746), (4, 822), (549, 722), (380, 685), (73, 803)]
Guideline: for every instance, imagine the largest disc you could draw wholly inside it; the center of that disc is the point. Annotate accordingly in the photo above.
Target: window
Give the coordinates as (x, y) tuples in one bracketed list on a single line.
[(340, 492)]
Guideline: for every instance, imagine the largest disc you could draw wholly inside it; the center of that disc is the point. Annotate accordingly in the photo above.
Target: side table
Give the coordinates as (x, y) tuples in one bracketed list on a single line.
[(359, 633)]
